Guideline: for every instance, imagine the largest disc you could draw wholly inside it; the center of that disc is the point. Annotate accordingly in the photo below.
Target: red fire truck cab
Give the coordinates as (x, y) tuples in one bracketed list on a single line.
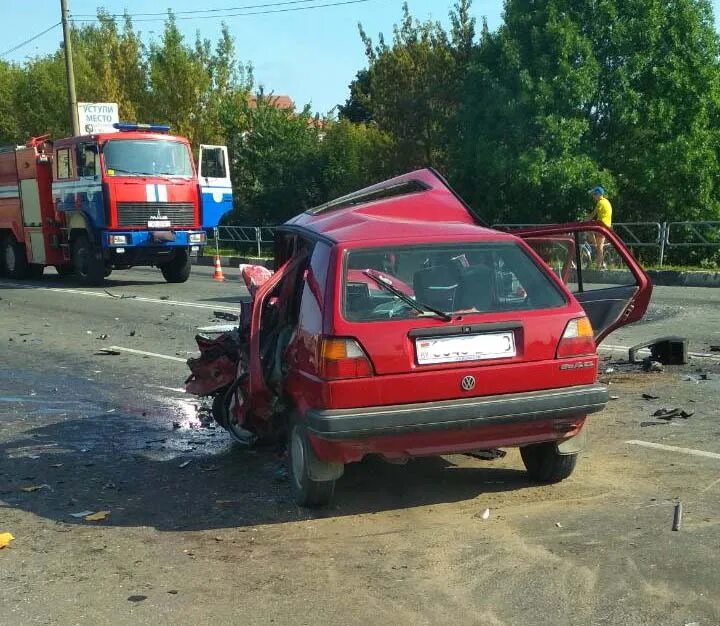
[(94, 203)]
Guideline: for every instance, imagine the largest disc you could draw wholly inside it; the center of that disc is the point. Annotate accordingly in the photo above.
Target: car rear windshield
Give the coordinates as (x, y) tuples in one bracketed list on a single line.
[(458, 278)]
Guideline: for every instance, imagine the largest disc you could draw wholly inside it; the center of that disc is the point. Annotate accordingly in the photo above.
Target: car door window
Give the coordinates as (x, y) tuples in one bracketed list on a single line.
[(604, 278)]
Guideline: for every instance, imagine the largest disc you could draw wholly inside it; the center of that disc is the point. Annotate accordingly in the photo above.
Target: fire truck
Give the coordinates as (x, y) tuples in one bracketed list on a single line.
[(90, 204)]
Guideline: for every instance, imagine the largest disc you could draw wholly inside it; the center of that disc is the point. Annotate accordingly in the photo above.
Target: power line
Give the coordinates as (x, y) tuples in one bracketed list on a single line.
[(196, 11), (27, 41), (201, 17)]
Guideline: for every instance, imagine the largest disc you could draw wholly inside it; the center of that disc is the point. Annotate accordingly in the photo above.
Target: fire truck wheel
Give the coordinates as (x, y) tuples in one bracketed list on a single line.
[(178, 269), (36, 271), (64, 270), (14, 261), (88, 266)]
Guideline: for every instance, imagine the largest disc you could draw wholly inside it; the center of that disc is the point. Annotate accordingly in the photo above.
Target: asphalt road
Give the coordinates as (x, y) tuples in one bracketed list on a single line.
[(219, 540)]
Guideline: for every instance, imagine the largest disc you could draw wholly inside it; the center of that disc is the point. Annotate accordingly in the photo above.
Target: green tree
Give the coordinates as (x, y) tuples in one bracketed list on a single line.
[(522, 154), (411, 86), (9, 123), (654, 111)]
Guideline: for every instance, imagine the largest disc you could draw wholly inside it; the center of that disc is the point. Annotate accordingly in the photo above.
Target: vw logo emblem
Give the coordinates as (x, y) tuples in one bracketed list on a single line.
[(468, 383)]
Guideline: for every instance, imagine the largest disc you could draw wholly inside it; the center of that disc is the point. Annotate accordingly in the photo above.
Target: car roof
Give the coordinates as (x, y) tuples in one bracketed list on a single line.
[(415, 206)]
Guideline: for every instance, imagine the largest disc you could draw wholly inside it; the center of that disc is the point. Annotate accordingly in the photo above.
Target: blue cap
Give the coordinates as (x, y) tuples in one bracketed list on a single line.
[(598, 190)]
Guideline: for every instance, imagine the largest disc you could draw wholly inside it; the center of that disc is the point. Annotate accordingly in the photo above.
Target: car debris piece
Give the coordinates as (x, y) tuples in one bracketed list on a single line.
[(33, 488), (649, 396), (136, 598), (119, 297), (668, 414), (653, 366), (184, 464), (677, 516), (96, 517), (81, 514), (164, 297), (223, 315), (5, 539), (670, 350), (103, 336), (643, 424), (714, 348), (108, 352)]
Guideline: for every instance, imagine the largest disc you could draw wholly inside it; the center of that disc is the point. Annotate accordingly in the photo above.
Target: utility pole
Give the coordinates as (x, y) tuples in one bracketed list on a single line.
[(69, 68)]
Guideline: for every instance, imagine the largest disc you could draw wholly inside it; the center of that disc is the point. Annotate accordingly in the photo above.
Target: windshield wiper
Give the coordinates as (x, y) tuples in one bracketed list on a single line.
[(420, 307)]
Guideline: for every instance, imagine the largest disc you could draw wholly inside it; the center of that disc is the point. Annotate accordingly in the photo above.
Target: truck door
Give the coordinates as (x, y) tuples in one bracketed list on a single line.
[(215, 187), (597, 268)]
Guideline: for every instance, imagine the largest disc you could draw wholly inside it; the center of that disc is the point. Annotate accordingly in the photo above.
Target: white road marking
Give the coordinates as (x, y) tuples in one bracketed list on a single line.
[(611, 348), (663, 447), (98, 294), (177, 389), (152, 354)]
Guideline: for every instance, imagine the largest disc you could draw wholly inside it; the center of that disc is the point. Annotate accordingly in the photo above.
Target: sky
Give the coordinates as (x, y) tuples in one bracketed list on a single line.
[(310, 55)]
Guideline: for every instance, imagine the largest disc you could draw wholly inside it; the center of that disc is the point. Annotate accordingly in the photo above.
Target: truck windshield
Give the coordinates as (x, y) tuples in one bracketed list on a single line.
[(137, 157)]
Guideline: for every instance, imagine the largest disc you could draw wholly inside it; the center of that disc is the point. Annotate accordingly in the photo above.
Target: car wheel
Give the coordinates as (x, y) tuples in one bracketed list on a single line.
[(87, 262), (36, 271), (307, 492), (545, 464), (64, 270), (178, 269), (14, 261)]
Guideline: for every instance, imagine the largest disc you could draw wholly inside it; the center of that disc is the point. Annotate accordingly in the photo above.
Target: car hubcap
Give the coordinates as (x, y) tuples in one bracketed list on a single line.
[(298, 458)]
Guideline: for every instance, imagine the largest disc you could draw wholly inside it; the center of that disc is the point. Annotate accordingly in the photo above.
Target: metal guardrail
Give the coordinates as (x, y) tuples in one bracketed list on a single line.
[(660, 235), (237, 235)]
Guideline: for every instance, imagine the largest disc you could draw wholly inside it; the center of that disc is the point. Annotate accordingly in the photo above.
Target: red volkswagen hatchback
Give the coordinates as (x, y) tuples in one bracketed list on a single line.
[(397, 324)]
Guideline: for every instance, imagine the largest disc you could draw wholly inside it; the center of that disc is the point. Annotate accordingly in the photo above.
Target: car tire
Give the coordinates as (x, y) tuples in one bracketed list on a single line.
[(36, 271), (178, 269), (14, 261), (87, 262), (545, 464), (307, 492), (64, 270)]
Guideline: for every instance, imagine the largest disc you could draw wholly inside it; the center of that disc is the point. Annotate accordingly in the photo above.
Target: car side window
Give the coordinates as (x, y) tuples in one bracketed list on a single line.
[(64, 164), (87, 157)]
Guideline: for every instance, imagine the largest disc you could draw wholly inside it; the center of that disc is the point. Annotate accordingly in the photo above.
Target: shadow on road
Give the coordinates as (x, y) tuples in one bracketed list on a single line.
[(130, 466)]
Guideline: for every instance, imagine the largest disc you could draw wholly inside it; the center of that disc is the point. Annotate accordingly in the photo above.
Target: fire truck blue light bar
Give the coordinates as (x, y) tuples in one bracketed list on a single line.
[(154, 128)]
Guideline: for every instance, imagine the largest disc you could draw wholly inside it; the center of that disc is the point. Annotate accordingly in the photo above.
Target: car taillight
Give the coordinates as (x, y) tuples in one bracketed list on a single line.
[(342, 357), (577, 340)]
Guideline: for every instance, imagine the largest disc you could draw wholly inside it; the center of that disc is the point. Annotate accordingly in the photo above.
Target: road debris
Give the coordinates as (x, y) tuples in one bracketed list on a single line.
[(96, 517), (102, 336), (558, 524), (668, 414), (136, 598), (643, 424), (484, 515), (671, 350), (81, 514), (677, 516), (164, 297), (649, 396), (609, 370), (614, 397), (131, 333), (653, 366), (209, 468), (119, 297), (33, 488), (5, 539), (184, 464), (714, 348), (223, 315), (108, 352)]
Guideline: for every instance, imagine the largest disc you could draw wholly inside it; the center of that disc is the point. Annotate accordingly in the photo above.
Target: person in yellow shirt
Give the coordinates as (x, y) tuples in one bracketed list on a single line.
[(602, 212)]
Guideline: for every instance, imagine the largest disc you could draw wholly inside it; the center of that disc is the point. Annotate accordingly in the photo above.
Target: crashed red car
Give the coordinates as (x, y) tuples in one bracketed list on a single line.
[(398, 324)]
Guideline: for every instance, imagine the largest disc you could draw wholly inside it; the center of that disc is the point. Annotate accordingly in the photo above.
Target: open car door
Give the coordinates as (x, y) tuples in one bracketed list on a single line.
[(215, 187), (597, 268)]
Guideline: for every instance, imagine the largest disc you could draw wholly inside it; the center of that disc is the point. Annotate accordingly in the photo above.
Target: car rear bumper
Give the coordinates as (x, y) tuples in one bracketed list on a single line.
[(471, 413)]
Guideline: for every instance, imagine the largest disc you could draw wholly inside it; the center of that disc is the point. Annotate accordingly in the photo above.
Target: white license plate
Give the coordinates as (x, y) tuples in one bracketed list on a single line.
[(464, 348), (160, 222)]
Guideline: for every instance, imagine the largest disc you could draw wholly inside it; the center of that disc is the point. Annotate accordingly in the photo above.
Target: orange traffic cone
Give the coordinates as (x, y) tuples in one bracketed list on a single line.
[(218, 275)]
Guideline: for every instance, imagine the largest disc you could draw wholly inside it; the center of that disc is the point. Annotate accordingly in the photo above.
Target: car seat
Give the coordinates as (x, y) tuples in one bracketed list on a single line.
[(476, 289), (437, 286)]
